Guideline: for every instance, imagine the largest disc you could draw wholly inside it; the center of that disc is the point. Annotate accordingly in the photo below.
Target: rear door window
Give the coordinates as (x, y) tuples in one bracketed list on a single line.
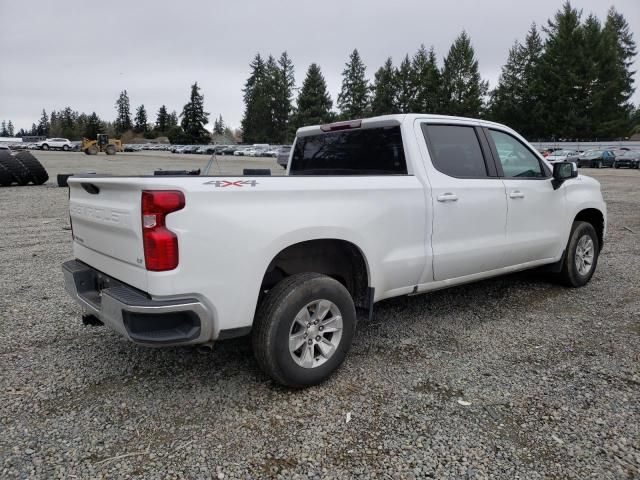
[(455, 150), (366, 151)]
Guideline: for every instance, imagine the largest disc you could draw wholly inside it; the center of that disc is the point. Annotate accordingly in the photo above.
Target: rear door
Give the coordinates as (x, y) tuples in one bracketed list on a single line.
[(535, 218), (469, 204)]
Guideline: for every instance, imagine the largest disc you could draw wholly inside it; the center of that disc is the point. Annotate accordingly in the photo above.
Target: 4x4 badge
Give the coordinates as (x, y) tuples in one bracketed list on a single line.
[(227, 183)]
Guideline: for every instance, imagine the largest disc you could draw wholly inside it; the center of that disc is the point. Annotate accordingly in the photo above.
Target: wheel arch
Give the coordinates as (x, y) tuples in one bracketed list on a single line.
[(337, 258), (596, 218)]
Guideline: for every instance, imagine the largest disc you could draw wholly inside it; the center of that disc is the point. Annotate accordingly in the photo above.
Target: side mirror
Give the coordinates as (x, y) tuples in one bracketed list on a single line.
[(563, 171)]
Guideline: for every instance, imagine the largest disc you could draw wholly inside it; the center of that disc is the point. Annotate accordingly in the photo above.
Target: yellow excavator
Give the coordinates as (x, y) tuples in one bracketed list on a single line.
[(101, 144)]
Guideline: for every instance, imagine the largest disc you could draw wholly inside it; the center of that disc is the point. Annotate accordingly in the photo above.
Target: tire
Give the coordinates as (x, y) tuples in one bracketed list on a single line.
[(92, 150), (38, 173), (19, 173), (599, 164), (62, 179), (570, 275), (6, 178), (110, 150), (276, 321), (45, 147), (65, 147)]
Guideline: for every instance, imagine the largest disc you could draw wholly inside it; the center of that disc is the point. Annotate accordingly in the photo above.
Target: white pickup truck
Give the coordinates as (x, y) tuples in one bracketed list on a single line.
[(369, 209)]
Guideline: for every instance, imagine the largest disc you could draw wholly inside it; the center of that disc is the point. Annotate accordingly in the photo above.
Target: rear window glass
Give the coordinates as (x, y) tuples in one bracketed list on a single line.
[(369, 151), (455, 150)]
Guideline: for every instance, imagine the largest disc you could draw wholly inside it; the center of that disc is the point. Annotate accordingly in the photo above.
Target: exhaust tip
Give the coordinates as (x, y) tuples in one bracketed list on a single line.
[(205, 348)]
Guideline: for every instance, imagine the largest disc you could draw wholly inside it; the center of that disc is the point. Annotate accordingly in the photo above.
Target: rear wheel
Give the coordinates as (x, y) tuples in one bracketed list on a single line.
[(599, 164), (303, 329), (581, 255)]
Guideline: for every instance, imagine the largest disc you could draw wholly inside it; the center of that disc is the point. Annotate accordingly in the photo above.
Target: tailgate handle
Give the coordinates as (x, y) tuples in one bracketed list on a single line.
[(90, 188)]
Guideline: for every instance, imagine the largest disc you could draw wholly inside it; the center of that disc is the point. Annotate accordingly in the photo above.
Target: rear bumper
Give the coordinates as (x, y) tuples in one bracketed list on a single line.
[(133, 314)]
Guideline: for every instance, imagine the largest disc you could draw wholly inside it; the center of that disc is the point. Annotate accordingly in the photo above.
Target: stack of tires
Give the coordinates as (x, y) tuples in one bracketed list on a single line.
[(21, 169)]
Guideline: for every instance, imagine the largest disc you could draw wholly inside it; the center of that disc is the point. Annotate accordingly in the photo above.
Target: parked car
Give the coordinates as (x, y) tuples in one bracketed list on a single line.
[(55, 144), (373, 209), (628, 159), (549, 151), (283, 155), (596, 159), (562, 156), (228, 150)]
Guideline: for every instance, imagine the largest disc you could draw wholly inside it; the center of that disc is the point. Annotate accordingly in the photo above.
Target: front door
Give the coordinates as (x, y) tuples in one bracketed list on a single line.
[(535, 211)]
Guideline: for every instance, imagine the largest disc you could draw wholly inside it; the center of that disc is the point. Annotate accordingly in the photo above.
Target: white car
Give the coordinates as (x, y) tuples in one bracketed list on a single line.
[(563, 156), (55, 143), (240, 152), (369, 209)]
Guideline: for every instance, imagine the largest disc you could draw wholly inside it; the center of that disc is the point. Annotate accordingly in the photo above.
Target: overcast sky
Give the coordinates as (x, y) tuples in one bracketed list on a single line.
[(83, 53)]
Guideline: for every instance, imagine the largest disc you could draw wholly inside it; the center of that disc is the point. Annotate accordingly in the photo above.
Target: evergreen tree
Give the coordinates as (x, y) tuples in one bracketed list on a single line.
[(282, 96), (194, 118), (385, 90), (3, 129), (163, 120), (516, 99), (218, 126), (256, 122), (67, 123), (228, 133), (463, 88), (141, 120), (123, 118), (34, 130), (173, 120), (614, 77), (404, 79), (43, 124), (563, 64), (426, 81), (10, 131), (93, 127), (313, 106), (54, 125), (353, 99)]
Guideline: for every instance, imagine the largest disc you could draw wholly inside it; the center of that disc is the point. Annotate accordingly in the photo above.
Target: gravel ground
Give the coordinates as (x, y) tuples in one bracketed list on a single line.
[(549, 377)]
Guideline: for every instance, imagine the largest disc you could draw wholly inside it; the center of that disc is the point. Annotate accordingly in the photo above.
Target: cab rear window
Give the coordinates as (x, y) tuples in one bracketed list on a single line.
[(368, 151)]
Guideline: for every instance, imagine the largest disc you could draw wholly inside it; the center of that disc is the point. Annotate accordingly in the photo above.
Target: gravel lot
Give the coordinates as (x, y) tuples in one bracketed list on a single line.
[(551, 375)]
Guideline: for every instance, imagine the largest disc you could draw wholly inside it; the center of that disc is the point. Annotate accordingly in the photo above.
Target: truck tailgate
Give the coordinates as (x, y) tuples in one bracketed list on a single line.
[(106, 223)]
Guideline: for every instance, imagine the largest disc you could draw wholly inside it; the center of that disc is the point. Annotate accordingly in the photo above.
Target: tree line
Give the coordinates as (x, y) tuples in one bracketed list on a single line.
[(188, 127), (572, 80)]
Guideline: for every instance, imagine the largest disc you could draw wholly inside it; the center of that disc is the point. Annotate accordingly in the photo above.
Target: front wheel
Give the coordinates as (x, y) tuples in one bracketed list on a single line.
[(45, 147), (65, 147), (303, 329), (581, 255)]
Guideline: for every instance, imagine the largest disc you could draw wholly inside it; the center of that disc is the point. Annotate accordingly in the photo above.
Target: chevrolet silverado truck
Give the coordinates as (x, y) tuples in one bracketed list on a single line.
[(367, 210)]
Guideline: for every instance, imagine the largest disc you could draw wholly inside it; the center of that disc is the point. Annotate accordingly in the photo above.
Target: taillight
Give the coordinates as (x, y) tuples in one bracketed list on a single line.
[(160, 243)]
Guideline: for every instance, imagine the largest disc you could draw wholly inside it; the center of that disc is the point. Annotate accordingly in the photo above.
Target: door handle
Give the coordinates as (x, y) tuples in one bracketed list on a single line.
[(516, 194), (448, 197)]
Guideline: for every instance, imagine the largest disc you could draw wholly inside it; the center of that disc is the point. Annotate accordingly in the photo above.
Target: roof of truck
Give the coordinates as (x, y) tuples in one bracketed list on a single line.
[(387, 120)]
